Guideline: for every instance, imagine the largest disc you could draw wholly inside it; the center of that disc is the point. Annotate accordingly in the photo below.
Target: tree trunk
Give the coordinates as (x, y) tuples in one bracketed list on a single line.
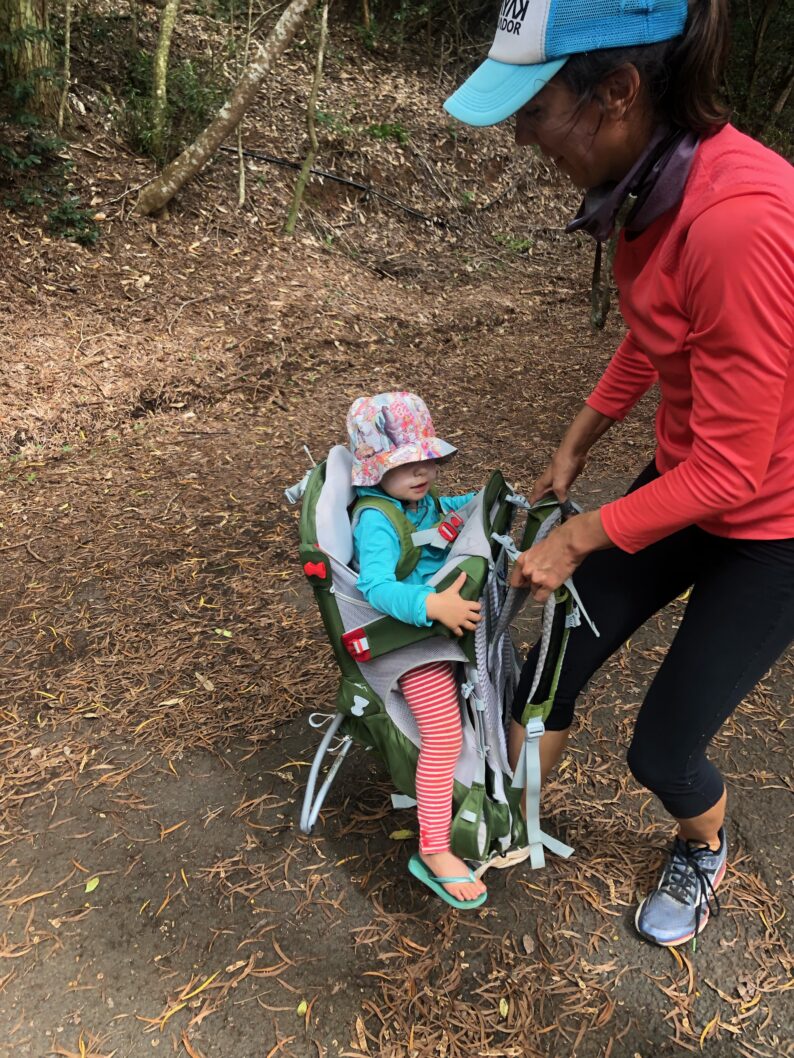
[(160, 77), (193, 158), (240, 155), (67, 62), (311, 111), (758, 44), (28, 58), (783, 96)]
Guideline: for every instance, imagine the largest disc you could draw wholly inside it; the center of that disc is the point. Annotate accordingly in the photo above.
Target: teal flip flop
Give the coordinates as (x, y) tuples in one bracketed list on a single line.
[(420, 870)]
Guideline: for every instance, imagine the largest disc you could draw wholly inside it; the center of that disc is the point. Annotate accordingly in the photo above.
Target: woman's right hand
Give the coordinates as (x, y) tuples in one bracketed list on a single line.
[(564, 468), (568, 461), (451, 609)]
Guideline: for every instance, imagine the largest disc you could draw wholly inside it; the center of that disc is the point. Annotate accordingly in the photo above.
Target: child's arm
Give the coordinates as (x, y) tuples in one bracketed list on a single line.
[(454, 503), (378, 554), (415, 604)]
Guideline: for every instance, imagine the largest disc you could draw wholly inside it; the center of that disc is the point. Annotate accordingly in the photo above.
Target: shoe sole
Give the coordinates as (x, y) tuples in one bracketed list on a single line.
[(508, 859), (693, 933)]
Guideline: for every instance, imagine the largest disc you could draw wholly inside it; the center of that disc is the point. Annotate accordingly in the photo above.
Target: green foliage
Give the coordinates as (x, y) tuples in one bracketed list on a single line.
[(340, 125), (193, 97), (513, 243), (333, 122), (70, 221), (114, 54), (389, 131), (432, 21), (34, 175)]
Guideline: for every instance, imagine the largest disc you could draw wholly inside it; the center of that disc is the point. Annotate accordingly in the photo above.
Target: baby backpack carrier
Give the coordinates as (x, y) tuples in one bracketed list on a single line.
[(373, 651)]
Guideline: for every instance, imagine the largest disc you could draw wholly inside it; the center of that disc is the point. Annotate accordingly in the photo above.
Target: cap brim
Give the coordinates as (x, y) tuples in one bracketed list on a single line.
[(498, 89)]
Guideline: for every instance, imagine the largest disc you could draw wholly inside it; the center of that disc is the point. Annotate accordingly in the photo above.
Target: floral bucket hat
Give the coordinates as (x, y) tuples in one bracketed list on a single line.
[(388, 430)]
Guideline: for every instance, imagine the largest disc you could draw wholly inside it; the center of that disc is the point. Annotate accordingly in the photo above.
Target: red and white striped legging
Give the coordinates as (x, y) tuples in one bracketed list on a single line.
[(432, 695)]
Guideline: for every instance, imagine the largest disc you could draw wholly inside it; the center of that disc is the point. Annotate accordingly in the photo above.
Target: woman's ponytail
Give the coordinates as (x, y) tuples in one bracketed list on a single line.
[(697, 61), (681, 77)]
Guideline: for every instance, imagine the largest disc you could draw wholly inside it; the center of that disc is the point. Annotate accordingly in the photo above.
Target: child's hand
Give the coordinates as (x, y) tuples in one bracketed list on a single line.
[(458, 614)]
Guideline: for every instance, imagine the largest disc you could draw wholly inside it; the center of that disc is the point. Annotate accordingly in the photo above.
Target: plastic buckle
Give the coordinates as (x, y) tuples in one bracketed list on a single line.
[(315, 569), (450, 529), (356, 644)]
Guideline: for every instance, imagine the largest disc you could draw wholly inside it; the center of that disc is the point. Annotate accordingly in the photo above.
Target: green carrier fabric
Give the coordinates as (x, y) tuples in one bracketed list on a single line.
[(372, 651)]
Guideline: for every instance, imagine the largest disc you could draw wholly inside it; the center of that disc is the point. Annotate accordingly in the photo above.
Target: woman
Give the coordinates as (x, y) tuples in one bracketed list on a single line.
[(623, 98)]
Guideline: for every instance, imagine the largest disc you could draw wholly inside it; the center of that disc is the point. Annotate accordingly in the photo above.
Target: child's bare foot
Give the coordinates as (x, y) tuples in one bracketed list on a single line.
[(445, 865)]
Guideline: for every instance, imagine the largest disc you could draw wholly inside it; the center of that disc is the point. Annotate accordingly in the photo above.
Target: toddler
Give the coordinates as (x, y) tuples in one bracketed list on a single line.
[(396, 456)]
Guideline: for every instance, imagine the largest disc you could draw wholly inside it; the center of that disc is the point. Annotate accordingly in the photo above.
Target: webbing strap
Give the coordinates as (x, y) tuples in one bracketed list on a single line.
[(409, 554), (578, 600), (527, 774), (445, 532), (429, 537), (508, 544)]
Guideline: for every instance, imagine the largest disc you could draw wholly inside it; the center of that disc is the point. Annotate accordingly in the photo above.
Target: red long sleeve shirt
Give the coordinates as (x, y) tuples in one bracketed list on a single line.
[(707, 292)]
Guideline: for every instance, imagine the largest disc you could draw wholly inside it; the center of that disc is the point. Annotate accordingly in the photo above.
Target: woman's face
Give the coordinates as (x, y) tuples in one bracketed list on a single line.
[(589, 144)]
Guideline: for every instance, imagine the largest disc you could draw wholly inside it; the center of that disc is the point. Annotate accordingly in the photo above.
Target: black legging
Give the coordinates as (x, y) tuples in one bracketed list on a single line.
[(738, 621)]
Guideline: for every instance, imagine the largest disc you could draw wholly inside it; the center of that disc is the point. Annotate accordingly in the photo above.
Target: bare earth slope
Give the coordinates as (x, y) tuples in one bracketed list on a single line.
[(160, 652)]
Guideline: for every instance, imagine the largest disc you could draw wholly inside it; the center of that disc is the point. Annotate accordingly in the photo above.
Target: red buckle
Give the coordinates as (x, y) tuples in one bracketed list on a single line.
[(450, 529), (356, 644), (315, 569)]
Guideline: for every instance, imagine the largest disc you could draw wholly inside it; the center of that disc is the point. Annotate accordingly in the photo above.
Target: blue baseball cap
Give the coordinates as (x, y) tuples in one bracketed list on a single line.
[(535, 38)]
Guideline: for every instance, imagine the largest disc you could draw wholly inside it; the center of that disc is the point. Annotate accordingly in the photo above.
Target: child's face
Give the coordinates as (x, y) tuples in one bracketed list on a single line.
[(411, 481)]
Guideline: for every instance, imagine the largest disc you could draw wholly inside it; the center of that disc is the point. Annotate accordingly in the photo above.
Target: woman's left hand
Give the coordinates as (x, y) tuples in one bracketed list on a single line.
[(548, 564)]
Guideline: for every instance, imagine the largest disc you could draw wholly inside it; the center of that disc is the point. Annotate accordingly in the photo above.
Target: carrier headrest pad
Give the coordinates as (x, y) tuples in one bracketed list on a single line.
[(334, 534)]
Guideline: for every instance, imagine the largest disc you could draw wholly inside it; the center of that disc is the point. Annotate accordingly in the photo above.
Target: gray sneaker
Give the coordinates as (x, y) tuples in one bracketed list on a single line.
[(686, 895)]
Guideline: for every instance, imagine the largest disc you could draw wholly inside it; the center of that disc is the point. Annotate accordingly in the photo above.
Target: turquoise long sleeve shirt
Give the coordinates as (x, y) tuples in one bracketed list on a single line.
[(376, 549)]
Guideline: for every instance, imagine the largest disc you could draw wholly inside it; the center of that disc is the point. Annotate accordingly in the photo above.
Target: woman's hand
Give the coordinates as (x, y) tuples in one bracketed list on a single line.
[(548, 564), (451, 609), (569, 460), (564, 468)]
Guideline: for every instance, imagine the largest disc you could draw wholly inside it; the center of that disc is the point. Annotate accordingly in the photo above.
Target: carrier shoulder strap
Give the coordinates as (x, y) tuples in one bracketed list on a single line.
[(409, 552), (411, 540)]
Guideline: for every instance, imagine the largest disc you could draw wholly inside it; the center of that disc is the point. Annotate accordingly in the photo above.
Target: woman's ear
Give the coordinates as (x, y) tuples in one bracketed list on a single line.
[(620, 90)]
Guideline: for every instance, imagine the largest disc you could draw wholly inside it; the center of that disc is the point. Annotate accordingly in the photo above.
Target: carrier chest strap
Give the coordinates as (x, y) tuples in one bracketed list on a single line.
[(442, 535)]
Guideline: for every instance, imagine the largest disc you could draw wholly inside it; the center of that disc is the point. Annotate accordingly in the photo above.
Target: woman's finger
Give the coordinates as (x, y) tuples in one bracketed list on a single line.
[(541, 488)]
